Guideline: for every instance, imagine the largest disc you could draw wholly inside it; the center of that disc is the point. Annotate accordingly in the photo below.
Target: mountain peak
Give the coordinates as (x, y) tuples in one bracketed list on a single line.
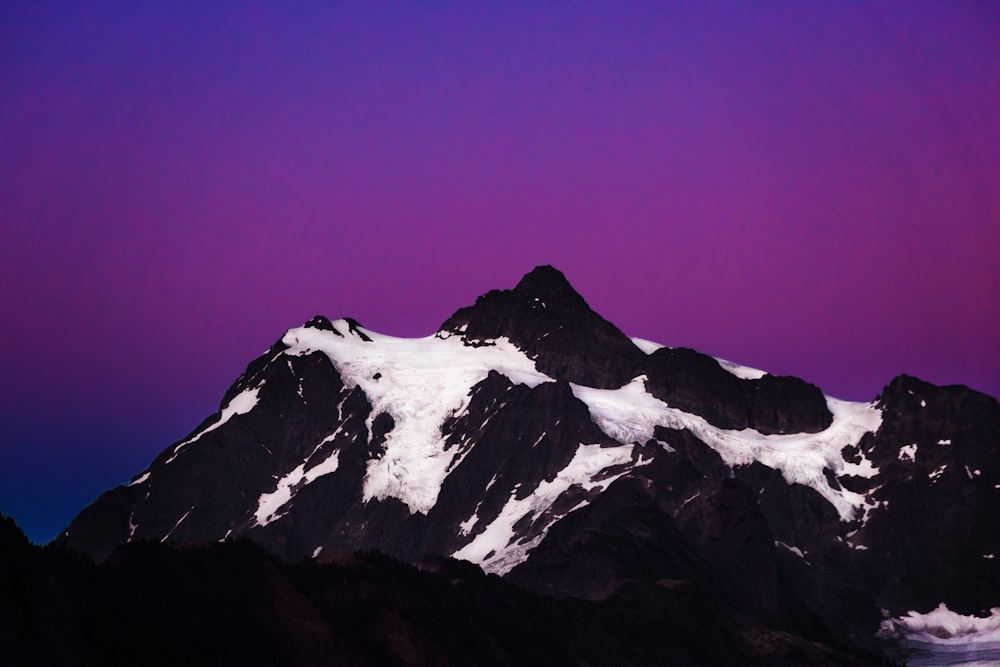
[(546, 280), (546, 318)]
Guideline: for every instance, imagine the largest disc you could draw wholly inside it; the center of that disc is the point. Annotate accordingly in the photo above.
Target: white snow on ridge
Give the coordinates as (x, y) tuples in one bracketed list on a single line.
[(742, 372), (419, 382), (647, 346), (493, 549), (629, 414), (241, 403)]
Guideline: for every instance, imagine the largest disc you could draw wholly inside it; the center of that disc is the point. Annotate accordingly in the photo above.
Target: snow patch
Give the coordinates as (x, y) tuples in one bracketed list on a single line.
[(794, 550), (944, 442), (908, 452), (933, 476)]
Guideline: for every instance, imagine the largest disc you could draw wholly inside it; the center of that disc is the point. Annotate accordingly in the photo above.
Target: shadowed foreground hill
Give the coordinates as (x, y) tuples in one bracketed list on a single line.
[(232, 603)]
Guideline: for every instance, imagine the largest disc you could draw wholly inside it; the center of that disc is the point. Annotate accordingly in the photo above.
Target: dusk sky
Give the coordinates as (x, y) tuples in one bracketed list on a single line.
[(811, 188)]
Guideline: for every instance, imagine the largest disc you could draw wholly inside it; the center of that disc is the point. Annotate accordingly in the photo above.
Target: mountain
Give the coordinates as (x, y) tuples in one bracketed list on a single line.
[(533, 438)]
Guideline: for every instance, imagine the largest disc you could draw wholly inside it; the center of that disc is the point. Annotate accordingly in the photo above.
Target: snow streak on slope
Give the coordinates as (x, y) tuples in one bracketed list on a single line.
[(240, 404), (630, 413), (496, 550), (419, 382), (269, 504)]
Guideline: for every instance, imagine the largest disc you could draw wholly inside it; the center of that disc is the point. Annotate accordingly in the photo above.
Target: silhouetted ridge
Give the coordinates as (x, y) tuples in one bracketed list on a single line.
[(544, 316), (694, 382)]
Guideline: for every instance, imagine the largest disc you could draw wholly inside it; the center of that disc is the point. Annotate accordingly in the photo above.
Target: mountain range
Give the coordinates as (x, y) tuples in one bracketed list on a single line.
[(684, 506)]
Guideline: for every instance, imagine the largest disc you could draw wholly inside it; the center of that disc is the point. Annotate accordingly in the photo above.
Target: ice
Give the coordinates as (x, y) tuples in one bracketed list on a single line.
[(421, 382), (629, 414), (943, 626), (240, 404)]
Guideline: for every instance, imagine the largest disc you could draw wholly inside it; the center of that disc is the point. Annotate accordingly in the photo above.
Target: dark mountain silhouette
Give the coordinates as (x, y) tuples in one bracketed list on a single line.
[(719, 514)]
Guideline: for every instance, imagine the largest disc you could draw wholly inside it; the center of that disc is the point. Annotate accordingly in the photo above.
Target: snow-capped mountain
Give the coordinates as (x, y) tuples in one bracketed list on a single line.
[(531, 437)]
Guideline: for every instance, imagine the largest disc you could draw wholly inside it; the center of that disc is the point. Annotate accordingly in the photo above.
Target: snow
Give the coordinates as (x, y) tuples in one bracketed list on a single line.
[(647, 346), (943, 626), (933, 476), (269, 504), (140, 479), (179, 521), (944, 637), (316, 551), (944, 442), (629, 414), (742, 372), (494, 548), (908, 452), (794, 550), (241, 403), (422, 382)]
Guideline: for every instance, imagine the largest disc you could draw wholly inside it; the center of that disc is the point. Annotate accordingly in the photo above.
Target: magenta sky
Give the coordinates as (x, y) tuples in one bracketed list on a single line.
[(810, 188)]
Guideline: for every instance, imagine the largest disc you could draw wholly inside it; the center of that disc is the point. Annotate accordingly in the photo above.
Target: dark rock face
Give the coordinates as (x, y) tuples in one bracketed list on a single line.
[(938, 454), (544, 316), (696, 383)]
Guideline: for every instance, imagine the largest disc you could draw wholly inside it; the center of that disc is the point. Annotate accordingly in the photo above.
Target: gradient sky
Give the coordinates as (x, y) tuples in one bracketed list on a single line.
[(810, 188)]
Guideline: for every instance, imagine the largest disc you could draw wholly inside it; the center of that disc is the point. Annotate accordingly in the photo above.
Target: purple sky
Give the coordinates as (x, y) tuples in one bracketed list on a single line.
[(809, 188)]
